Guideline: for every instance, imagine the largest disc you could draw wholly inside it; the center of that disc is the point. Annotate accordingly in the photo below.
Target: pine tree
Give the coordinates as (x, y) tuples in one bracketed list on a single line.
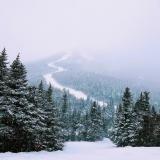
[(96, 128), (23, 115), (135, 127), (107, 118), (48, 130), (85, 129), (156, 130), (41, 87), (127, 105), (75, 125), (64, 116), (36, 97), (124, 133), (5, 129), (142, 107), (28, 117), (118, 127), (3, 80), (64, 103), (146, 132), (54, 139)]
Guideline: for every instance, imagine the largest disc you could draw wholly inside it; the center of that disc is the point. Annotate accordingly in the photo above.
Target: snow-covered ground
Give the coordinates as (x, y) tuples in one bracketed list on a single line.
[(104, 150), (50, 79)]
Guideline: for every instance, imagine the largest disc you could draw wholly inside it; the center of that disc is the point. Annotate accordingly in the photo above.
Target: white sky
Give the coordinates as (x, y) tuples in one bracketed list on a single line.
[(39, 28)]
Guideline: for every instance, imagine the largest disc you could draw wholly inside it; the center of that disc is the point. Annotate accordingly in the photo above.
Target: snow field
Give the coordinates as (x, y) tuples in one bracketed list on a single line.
[(104, 150)]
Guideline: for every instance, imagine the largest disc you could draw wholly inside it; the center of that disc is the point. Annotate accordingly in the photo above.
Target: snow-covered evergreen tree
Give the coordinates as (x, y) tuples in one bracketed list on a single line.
[(85, 127), (5, 130), (125, 124), (22, 112), (143, 107), (127, 105), (76, 125), (28, 117), (118, 127), (54, 136), (36, 97), (95, 131), (64, 116)]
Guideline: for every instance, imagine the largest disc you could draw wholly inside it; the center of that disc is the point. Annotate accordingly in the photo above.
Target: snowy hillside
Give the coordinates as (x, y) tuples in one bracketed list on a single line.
[(49, 78), (104, 150), (84, 76), (76, 74)]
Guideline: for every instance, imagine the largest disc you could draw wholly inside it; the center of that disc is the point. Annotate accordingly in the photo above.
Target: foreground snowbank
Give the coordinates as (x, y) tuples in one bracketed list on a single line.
[(89, 151)]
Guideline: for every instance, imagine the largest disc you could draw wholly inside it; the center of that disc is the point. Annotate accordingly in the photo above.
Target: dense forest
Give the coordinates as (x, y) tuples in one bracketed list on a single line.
[(136, 124), (32, 119)]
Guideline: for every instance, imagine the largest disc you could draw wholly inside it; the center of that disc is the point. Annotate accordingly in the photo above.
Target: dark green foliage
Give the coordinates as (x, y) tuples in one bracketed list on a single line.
[(5, 130), (53, 132), (96, 127), (85, 125), (30, 120), (41, 87), (136, 124), (65, 113), (75, 125), (28, 117), (124, 124), (64, 103)]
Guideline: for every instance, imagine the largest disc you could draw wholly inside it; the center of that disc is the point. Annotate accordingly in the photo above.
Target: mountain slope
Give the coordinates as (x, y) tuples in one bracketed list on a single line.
[(84, 76)]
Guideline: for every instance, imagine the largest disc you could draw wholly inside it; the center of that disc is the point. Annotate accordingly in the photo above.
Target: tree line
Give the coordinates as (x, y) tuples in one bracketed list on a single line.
[(136, 123), (28, 117), (30, 120)]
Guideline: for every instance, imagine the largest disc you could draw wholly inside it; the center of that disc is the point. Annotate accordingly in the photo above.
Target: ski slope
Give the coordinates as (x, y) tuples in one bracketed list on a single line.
[(58, 69), (104, 150), (78, 94), (51, 80)]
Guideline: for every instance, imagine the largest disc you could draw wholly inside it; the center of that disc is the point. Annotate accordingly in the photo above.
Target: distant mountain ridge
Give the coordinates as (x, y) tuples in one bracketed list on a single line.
[(87, 74)]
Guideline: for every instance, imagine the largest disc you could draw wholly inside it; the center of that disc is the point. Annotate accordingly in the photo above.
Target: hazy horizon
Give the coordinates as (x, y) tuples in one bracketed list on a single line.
[(40, 28), (125, 33)]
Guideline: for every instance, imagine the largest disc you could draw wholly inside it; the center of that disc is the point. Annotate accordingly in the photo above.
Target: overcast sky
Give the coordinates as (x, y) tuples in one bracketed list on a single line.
[(40, 28)]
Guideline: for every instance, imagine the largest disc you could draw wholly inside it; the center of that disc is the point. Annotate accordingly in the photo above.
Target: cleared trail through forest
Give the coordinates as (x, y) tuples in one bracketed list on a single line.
[(58, 69)]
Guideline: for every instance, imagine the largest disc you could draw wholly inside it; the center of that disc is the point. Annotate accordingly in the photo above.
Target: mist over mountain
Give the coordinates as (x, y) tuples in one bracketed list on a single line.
[(96, 74), (136, 68)]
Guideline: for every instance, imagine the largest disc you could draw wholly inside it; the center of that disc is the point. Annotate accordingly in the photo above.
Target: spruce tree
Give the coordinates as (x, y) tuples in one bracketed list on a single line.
[(64, 116), (75, 125), (142, 107), (146, 132), (3, 80), (125, 125), (28, 117), (85, 130), (156, 130), (40, 86), (127, 105), (54, 137), (96, 127), (5, 129), (36, 97), (118, 127), (64, 103), (23, 117)]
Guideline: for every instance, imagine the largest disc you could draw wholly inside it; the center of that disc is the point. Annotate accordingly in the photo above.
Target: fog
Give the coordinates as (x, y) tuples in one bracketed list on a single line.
[(127, 31)]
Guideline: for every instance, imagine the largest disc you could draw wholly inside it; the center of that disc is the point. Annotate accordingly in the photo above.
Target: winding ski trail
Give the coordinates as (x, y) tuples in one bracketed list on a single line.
[(49, 78)]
